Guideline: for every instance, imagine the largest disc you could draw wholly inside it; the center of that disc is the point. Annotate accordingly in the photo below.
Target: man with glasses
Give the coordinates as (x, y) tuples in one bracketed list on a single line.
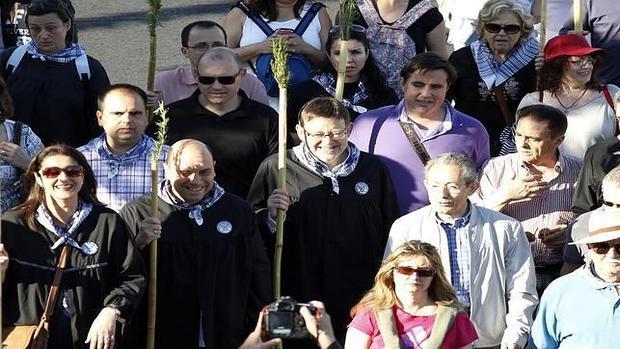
[(580, 310), (535, 186), (575, 255), (240, 132), (120, 156), (339, 205), (485, 253), (180, 83)]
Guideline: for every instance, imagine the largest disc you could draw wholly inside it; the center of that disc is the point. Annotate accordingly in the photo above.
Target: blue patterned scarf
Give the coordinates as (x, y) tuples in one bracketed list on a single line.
[(494, 73), (63, 56), (344, 169), (327, 81), (116, 161), (195, 210), (44, 217)]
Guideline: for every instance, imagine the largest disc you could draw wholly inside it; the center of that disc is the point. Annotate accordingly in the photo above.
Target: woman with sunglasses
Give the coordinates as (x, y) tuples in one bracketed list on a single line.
[(364, 88), (497, 70), (54, 84), (104, 278), (18, 144), (569, 82), (411, 291)]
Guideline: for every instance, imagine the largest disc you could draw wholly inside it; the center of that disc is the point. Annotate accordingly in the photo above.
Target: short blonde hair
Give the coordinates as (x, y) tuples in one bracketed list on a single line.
[(493, 8)]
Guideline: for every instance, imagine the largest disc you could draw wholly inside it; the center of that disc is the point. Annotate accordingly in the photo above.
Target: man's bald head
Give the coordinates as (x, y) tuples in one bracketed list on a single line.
[(190, 169), (220, 55)]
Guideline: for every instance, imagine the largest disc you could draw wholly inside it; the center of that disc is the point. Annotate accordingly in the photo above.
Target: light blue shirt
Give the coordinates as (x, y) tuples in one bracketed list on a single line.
[(578, 311)]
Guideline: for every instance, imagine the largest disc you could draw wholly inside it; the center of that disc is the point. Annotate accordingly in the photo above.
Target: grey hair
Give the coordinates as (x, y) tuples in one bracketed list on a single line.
[(468, 169), (612, 178), (493, 8), (221, 54)]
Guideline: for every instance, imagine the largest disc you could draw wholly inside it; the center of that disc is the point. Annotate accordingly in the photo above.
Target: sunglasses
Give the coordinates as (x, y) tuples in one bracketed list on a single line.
[(494, 28), (421, 272), (354, 27), (611, 204), (603, 247), (70, 171), (224, 80), (582, 62)]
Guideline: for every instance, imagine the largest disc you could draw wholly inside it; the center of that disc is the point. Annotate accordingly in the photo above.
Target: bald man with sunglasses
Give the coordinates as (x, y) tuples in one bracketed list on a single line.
[(240, 131)]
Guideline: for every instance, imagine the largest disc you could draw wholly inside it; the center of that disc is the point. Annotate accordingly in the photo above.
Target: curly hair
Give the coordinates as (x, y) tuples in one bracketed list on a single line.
[(552, 72), (375, 79), (383, 294), (36, 194), (268, 8), (493, 8)]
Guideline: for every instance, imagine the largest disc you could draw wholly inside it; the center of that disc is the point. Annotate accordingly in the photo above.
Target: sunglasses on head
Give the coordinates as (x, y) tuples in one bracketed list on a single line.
[(409, 271), (224, 80), (354, 27), (603, 247), (494, 28), (70, 171)]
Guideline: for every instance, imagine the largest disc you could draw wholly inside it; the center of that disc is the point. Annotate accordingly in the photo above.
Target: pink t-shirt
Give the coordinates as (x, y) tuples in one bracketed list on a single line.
[(415, 330)]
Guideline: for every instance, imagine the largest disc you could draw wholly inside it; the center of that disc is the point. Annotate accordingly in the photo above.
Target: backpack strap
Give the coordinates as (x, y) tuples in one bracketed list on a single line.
[(17, 132), (387, 329), (257, 19), (83, 69), (300, 29), (15, 59), (374, 133), (444, 320)]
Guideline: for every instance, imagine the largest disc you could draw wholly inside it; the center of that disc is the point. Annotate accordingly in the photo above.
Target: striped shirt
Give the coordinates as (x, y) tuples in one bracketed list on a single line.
[(551, 208), (457, 234), (122, 178)]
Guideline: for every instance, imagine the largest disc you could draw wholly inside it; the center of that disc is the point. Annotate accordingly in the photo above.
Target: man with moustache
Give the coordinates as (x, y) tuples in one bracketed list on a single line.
[(580, 310), (213, 276), (485, 253), (120, 156), (240, 132)]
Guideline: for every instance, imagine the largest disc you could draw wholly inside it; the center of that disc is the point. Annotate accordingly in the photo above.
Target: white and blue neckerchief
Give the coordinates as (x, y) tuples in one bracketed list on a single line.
[(327, 81), (117, 161), (82, 211), (63, 56), (344, 169), (494, 73), (195, 210)]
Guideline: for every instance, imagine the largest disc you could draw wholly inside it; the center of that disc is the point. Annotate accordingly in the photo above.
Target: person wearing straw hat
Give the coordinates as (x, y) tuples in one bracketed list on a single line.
[(562, 320)]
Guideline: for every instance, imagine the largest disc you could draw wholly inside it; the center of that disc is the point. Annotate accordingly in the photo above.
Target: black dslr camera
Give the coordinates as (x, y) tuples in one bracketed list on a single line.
[(282, 319)]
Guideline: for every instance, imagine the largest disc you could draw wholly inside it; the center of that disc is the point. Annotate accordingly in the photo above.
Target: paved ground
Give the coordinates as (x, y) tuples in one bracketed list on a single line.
[(115, 32)]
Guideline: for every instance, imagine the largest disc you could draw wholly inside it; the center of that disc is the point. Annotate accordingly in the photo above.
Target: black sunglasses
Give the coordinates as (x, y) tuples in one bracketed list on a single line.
[(70, 171), (421, 272), (224, 80), (494, 28), (603, 247)]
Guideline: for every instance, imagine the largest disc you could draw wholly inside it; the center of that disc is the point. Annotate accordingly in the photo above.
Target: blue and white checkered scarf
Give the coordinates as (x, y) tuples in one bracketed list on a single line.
[(494, 73), (63, 56), (327, 81), (344, 169), (195, 210), (44, 217)]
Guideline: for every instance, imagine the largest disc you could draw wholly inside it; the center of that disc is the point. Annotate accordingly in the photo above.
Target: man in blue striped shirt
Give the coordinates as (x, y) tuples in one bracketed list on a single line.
[(120, 156)]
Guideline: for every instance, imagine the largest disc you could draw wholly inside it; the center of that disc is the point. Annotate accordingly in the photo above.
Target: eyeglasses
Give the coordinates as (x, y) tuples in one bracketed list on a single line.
[(611, 204), (452, 188), (203, 46), (224, 80), (583, 61), (408, 271), (603, 247), (354, 27), (70, 171), (335, 134), (495, 28)]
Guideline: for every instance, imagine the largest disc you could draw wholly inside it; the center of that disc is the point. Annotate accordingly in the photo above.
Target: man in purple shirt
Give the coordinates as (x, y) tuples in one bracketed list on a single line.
[(438, 127)]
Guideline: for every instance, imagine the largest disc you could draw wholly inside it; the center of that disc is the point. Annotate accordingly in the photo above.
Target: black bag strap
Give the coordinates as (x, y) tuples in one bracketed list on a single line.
[(260, 22), (300, 29), (17, 133), (415, 142)]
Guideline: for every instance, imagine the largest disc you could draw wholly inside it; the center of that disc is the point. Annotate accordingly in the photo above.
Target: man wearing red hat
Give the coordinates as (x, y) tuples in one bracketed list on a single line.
[(580, 310)]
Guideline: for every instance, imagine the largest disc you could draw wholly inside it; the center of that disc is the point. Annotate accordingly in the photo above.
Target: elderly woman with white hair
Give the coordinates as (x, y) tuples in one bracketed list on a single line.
[(497, 70)]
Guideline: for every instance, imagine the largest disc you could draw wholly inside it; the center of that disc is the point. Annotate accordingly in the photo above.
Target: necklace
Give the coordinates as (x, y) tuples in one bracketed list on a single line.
[(566, 109)]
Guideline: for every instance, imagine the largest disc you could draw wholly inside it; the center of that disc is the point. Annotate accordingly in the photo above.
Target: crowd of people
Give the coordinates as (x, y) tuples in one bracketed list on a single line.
[(462, 193)]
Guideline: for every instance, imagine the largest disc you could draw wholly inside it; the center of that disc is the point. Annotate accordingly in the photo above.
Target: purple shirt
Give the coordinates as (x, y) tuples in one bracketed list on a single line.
[(463, 134)]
